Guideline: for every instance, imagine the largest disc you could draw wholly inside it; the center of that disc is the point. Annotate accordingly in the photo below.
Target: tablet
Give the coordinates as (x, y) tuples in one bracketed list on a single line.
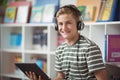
[(33, 68)]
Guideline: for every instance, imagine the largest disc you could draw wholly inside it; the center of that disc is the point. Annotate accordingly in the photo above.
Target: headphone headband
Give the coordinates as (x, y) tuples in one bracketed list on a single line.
[(72, 8)]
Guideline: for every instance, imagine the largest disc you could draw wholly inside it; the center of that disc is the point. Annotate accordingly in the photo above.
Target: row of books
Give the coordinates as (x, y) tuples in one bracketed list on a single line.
[(25, 12), (39, 39), (100, 10), (112, 48)]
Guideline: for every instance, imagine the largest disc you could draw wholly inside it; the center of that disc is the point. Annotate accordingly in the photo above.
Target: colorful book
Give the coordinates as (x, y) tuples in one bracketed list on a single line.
[(17, 59), (88, 12), (36, 14), (94, 3), (24, 12), (103, 3), (15, 39), (42, 64), (113, 48), (39, 63), (10, 15), (109, 10), (82, 10)]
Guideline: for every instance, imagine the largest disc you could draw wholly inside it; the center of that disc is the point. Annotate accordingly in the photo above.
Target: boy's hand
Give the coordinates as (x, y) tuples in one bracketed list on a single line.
[(32, 76)]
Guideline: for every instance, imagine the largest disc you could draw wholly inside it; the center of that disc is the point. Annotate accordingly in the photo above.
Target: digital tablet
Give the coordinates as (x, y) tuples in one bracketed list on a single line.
[(33, 67)]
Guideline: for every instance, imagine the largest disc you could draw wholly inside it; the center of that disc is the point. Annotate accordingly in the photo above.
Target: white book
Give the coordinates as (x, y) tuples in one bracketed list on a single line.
[(48, 13), (22, 14)]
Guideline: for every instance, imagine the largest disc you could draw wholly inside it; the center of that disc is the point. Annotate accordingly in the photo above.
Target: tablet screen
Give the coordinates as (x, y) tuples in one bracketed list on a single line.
[(33, 67)]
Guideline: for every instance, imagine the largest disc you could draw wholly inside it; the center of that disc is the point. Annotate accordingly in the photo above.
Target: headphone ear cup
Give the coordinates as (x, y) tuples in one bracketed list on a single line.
[(79, 25), (56, 27)]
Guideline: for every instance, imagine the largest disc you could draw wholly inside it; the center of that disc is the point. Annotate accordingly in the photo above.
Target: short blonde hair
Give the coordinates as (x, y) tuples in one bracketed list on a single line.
[(69, 9)]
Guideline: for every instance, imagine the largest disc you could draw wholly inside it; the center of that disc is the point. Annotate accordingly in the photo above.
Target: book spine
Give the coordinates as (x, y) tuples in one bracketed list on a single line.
[(105, 49), (114, 8)]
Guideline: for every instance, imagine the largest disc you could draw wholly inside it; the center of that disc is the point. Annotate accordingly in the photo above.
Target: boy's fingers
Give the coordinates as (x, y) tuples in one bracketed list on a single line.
[(39, 78), (34, 76)]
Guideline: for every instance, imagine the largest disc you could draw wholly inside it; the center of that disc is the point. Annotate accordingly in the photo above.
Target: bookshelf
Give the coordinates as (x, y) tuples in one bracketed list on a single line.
[(26, 51), (94, 31), (97, 31)]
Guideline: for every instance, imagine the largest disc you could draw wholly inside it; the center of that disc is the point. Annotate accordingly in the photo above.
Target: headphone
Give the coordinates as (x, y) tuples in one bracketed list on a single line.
[(80, 24)]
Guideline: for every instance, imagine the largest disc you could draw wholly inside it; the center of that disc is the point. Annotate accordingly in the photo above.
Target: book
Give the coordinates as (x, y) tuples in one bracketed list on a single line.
[(117, 13), (48, 13), (37, 36), (96, 6), (22, 14), (113, 48), (44, 40), (17, 59), (42, 64), (45, 2), (23, 10), (88, 12), (101, 10), (82, 9), (15, 39), (105, 49), (36, 14), (109, 11), (10, 14)]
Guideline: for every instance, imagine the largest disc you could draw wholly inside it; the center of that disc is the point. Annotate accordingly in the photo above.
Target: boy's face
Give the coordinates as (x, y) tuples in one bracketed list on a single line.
[(67, 26)]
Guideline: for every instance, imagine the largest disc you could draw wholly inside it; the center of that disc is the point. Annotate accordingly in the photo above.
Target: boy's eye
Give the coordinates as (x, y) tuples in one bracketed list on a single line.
[(60, 24), (68, 22)]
